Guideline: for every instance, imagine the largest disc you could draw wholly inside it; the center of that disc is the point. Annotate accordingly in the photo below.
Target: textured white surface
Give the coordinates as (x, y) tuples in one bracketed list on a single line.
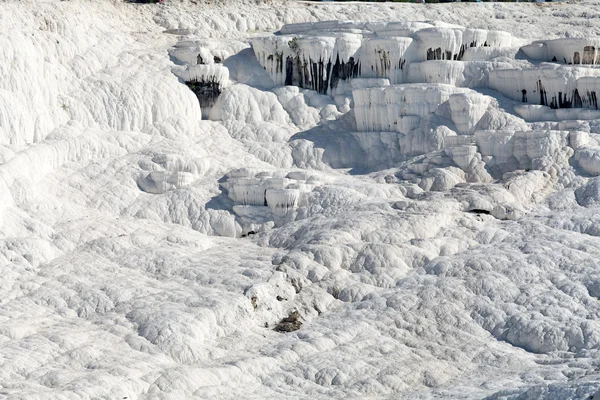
[(434, 243)]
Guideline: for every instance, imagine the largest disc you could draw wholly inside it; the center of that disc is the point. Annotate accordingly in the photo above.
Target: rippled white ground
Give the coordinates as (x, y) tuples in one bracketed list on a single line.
[(111, 292)]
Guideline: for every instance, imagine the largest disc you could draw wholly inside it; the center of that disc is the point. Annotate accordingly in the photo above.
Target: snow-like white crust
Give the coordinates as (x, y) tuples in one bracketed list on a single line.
[(197, 72), (429, 233)]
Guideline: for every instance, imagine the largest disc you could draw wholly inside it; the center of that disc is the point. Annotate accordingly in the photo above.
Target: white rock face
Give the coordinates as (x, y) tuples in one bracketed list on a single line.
[(565, 50), (246, 104), (589, 160), (537, 113), (205, 73), (383, 109), (261, 200), (320, 56), (315, 63), (386, 58), (589, 194), (207, 82), (161, 181), (367, 209), (472, 74), (451, 43), (529, 150), (466, 109), (552, 85)]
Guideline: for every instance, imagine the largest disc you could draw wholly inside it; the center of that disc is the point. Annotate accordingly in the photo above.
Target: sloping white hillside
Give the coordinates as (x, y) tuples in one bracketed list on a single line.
[(415, 187)]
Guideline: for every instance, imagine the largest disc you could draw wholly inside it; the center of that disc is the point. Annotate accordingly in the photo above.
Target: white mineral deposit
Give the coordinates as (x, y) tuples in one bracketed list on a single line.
[(268, 199)]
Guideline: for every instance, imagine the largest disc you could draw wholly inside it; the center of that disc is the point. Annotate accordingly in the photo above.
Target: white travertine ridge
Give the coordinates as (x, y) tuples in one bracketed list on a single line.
[(243, 199), (565, 50), (320, 55)]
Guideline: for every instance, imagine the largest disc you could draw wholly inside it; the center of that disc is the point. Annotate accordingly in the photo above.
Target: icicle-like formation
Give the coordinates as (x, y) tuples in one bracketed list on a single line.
[(588, 90), (252, 191), (440, 44), (282, 201), (384, 109), (247, 191), (566, 50), (321, 54), (385, 58), (451, 43), (552, 86), (327, 53), (271, 52), (206, 81), (316, 63)]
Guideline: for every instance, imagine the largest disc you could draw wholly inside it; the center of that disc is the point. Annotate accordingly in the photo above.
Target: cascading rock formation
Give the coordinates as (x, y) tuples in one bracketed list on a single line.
[(222, 200)]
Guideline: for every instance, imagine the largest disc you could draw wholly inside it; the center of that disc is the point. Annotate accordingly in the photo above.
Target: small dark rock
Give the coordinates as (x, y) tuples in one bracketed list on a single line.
[(290, 323), (479, 211)]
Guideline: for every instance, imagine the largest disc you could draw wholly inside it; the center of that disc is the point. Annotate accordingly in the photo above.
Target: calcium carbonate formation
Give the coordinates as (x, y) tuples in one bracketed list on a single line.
[(262, 201), (327, 56), (202, 71), (403, 210), (320, 55), (393, 74), (441, 88)]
